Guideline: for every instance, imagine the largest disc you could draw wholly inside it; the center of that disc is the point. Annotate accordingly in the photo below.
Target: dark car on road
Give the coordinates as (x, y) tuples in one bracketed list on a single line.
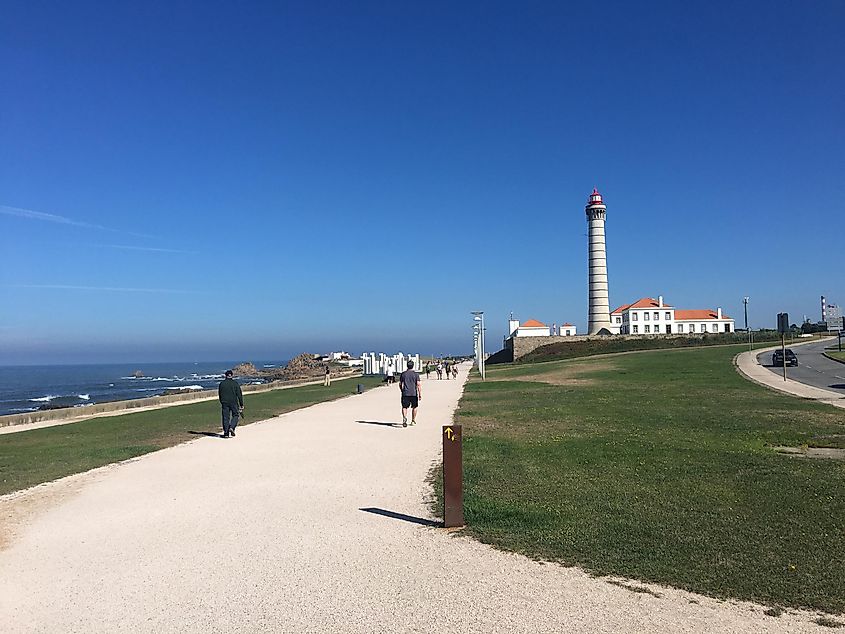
[(778, 358)]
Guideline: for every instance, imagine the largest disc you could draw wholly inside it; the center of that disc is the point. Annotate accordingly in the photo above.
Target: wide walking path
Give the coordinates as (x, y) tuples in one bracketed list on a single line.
[(314, 521)]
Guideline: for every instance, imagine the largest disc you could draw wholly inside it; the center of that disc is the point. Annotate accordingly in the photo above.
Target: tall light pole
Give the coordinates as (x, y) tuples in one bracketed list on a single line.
[(478, 315), (747, 331)]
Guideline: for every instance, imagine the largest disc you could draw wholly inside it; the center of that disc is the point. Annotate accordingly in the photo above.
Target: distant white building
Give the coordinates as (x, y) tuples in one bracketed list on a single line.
[(530, 328), (648, 316), (567, 330), (534, 328)]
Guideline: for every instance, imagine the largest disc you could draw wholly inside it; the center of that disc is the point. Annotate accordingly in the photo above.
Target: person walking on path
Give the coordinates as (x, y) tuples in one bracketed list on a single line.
[(427, 371), (440, 370), (231, 402), (328, 380), (411, 388)]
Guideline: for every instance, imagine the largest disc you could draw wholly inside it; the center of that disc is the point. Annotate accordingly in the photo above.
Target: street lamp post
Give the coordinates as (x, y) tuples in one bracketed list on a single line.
[(747, 331), (478, 316)]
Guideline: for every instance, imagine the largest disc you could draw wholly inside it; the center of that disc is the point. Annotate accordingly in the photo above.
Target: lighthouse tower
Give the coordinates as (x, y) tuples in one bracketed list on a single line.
[(599, 314)]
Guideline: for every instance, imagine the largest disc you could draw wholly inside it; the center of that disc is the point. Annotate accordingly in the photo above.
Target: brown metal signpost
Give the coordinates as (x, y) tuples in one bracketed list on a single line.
[(453, 477)]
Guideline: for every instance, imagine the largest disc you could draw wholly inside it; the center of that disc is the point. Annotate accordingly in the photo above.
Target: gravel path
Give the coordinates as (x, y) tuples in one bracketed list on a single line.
[(266, 533)]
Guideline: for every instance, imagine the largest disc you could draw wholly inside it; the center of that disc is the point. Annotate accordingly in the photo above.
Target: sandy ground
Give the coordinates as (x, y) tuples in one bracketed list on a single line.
[(267, 532)]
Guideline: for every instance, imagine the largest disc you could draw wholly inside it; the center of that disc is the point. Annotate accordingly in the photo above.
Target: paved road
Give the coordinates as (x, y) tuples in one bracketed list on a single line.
[(813, 367)]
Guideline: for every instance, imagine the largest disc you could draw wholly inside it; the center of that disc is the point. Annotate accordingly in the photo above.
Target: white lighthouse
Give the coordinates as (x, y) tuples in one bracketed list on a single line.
[(599, 313)]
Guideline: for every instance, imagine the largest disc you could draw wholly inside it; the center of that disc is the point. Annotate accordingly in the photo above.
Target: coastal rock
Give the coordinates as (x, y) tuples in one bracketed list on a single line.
[(246, 369), (138, 374), (303, 366)]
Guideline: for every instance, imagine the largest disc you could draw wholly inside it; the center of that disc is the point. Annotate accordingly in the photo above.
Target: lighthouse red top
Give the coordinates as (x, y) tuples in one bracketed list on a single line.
[(595, 198)]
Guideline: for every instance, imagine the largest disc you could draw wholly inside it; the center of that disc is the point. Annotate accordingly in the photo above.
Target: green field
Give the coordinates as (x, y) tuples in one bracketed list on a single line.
[(659, 466), (834, 353), (31, 457)]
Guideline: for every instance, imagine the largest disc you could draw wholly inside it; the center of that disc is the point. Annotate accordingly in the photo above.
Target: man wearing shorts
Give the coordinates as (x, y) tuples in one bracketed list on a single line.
[(411, 388)]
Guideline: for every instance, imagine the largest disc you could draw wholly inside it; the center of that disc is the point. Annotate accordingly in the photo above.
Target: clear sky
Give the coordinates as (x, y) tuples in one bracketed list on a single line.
[(239, 180)]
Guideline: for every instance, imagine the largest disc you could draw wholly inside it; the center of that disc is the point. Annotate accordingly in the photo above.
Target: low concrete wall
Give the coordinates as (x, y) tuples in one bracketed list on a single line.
[(153, 402)]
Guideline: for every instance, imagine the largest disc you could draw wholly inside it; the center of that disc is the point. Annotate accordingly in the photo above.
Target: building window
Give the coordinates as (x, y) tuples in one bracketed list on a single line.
[(618, 320), (656, 328), (703, 327), (647, 328), (668, 316), (727, 327), (715, 328), (656, 316), (680, 327), (568, 333), (636, 329), (634, 316), (645, 315)]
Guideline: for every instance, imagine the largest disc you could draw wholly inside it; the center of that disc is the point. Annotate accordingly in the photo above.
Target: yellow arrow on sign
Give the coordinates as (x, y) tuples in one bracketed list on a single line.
[(450, 434)]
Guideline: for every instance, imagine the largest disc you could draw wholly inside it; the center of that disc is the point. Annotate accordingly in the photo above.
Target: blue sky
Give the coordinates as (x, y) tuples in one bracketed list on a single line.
[(210, 180)]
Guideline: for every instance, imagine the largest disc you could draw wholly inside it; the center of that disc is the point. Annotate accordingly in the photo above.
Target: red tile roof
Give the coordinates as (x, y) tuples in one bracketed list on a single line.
[(698, 314), (567, 325), (533, 323), (645, 302)]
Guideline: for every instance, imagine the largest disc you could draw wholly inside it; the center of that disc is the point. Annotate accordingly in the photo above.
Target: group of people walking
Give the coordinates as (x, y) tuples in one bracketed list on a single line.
[(231, 396), (450, 370)]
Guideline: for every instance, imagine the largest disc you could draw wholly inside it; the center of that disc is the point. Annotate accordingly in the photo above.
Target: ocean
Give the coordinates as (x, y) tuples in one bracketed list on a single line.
[(28, 388)]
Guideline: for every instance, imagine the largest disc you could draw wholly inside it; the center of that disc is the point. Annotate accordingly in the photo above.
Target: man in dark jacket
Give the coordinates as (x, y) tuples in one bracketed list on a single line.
[(232, 403)]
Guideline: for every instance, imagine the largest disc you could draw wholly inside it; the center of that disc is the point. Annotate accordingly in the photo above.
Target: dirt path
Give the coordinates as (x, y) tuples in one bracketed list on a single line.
[(315, 521)]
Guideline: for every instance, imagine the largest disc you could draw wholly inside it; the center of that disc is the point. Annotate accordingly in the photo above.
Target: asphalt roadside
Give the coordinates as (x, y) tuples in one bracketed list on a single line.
[(748, 366)]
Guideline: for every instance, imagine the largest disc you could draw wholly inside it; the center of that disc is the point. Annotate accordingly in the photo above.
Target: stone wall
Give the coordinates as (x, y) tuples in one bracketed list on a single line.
[(523, 345)]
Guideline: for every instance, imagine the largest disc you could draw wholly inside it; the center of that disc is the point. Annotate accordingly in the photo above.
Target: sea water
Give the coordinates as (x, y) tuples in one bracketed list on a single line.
[(30, 387)]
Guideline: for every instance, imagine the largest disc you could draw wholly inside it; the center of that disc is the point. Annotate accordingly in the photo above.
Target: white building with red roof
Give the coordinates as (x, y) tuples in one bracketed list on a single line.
[(529, 328), (648, 316), (534, 328)]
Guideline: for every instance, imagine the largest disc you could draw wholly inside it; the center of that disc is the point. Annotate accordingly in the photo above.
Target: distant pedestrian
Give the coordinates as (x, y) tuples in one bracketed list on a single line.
[(427, 371), (455, 370), (231, 402), (327, 381), (411, 389), (448, 369), (440, 371)]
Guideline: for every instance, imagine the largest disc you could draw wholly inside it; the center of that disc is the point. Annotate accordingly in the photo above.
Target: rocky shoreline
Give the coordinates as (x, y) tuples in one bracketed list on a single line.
[(302, 366)]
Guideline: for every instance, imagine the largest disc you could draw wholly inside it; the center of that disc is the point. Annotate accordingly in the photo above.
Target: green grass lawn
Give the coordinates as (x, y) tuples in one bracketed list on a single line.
[(658, 466), (835, 354), (31, 457)]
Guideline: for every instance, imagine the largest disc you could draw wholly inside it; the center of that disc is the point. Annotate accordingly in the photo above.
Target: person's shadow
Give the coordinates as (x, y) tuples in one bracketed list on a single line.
[(378, 422), (206, 433)]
